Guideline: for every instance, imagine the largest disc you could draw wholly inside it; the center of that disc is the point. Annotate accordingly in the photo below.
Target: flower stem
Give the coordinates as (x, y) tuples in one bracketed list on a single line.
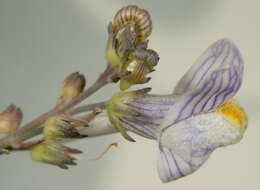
[(14, 139), (88, 107)]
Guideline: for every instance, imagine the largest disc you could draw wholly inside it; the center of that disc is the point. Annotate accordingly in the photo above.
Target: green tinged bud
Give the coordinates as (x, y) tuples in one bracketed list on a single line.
[(62, 128), (73, 85), (10, 119), (117, 109), (52, 152)]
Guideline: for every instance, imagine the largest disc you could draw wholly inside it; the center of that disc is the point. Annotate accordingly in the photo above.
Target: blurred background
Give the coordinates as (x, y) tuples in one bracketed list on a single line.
[(42, 41)]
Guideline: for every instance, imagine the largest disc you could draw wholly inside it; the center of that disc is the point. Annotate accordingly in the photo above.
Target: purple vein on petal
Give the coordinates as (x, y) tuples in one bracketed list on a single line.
[(146, 132), (140, 122), (177, 165), (155, 100), (213, 81), (218, 89), (142, 109), (167, 161), (204, 63), (231, 89), (189, 101)]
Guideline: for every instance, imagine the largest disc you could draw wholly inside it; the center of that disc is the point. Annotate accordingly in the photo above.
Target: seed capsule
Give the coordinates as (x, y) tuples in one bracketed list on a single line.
[(138, 19)]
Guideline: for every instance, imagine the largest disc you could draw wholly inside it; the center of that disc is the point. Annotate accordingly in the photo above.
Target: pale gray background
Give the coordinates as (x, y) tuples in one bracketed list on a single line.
[(43, 41)]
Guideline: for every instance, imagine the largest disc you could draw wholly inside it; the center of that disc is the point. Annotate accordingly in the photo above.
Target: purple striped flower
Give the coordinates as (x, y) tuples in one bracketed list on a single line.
[(198, 117)]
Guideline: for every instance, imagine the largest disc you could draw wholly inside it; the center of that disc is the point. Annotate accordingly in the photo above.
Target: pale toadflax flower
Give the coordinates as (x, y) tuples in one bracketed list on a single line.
[(197, 118)]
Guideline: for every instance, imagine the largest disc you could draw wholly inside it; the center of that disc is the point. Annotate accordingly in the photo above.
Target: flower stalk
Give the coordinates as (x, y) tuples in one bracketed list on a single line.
[(14, 139)]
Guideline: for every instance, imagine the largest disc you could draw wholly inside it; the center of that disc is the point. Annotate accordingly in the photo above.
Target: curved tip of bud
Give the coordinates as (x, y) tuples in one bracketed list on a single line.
[(73, 85), (138, 19), (10, 119)]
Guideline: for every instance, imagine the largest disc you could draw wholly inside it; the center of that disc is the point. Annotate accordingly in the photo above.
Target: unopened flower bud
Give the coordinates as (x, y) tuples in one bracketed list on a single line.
[(10, 119), (52, 152), (62, 128), (130, 27), (73, 85)]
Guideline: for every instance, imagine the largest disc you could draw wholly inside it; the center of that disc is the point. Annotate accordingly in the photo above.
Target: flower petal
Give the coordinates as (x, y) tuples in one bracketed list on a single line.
[(219, 55), (151, 110), (213, 79), (184, 147)]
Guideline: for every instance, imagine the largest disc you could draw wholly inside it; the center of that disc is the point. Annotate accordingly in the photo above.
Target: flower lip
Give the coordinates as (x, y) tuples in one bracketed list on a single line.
[(186, 146)]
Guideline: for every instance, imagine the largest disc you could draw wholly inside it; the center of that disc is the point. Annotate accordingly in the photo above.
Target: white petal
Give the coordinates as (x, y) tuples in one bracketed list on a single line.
[(185, 146)]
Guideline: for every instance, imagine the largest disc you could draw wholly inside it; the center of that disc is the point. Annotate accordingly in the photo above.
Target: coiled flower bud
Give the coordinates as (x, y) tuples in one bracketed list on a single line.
[(10, 119), (73, 85), (130, 29), (138, 19)]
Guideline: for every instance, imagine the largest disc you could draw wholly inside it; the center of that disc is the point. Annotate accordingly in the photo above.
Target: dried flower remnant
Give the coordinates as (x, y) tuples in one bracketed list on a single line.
[(73, 85), (10, 119), (62, 127), (55, 153), (52, 152)]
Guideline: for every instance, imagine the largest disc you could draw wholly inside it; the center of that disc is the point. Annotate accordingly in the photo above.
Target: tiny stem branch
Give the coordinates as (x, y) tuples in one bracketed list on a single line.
[(86, 108)]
